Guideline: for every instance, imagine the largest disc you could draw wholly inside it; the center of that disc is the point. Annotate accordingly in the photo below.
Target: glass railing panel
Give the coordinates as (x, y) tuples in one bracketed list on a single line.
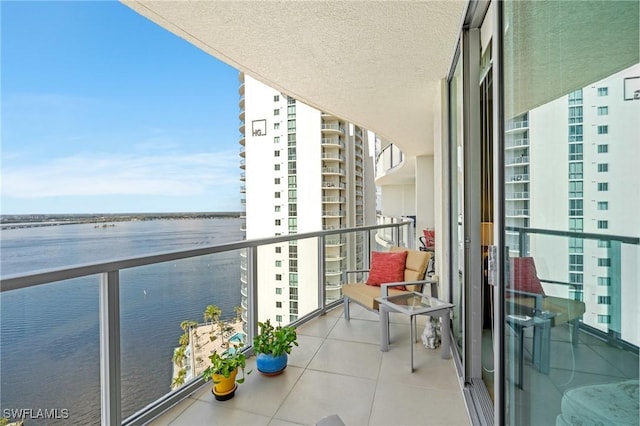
[(50, 348), (155, 300), (571, 315)]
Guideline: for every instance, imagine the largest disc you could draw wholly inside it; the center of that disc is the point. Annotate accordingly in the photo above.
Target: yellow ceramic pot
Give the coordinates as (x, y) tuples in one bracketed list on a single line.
[(224, 388)]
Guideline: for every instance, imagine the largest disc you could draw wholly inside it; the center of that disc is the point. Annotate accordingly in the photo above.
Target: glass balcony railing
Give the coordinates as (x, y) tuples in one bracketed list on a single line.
[(119, 338), (580, 331)]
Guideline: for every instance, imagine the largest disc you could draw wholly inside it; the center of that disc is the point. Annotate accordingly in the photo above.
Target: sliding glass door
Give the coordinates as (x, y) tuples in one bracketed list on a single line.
[(571, 237)]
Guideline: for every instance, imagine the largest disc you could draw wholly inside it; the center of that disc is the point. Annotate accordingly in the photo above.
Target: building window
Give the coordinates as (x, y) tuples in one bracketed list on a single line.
[(575, 170), (603, 130), (276, 139), (575, 133), (603, 91), (293, 307), (291, 126), (603, 186), (575, 114), (604, 281), (293, 318), (278, 290), (276, 98), (604, 243), (277, 209), (293, 293), (276, 181), (575, 208), (276, 195), (603, 205), (604, 319), (576, 224), (575, 98), (278, 304), (276, 126), (603, 148), (277, 222), (576, 262), (293, 280), (278, 249), (278, 318), (575, 189), (293, 265), (576, 278), (604, 261), (604, 300), (576, 245), (575, 151), (603, 110), (276, 167), (603, 224), (278, 277), (603, 167), (278, 263)]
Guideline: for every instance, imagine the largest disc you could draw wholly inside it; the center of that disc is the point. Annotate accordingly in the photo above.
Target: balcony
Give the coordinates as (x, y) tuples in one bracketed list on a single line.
[(332, 128), (339, 369), (333, 171), (111, 282), (332, 142)]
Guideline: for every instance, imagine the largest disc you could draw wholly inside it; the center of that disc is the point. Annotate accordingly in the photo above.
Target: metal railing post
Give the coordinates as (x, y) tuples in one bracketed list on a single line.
[(321, 275), (252, 292), (110, 392)]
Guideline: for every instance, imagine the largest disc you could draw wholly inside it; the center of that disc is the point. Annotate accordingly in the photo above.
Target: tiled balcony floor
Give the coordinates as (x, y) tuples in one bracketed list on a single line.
[(339, 369)]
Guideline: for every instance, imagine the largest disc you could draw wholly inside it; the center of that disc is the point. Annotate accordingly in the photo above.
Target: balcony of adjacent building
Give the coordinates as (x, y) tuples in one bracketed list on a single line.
[(243, 176), (241, 126), (242, 140), (242, 163), (332, 128), (328, 171), (333, 184), (333, 213), (332, 142), (332, 157), (332, 199), (242, 151)]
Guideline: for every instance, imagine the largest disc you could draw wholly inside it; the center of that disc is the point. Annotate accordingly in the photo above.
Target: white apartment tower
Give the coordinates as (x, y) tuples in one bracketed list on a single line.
[(598, 127), (303, 170)]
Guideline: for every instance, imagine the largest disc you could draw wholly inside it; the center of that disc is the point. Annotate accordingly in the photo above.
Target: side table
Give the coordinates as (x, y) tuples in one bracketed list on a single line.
[(412, 304)]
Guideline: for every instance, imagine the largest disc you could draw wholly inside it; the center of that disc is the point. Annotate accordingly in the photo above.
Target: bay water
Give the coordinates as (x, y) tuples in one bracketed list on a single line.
[(49, 334)]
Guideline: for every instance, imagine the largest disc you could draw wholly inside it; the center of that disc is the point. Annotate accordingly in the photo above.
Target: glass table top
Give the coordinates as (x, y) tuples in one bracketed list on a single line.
[(414, 302)]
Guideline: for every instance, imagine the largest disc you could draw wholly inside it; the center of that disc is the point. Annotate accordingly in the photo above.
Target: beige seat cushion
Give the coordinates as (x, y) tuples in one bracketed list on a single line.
[(366, 295), (565, 310)]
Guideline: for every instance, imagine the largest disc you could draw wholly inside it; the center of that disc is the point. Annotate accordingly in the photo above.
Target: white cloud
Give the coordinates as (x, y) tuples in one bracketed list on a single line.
[(113, 174)]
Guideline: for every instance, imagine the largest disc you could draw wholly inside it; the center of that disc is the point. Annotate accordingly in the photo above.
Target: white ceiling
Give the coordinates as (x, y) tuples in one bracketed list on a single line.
[(374, 63)]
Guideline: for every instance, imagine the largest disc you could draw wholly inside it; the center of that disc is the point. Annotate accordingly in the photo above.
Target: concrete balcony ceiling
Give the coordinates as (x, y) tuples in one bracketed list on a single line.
[(376, 64)]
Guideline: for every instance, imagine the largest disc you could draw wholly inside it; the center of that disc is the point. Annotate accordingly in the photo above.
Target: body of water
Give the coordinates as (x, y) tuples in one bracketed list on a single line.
[(49, 335)]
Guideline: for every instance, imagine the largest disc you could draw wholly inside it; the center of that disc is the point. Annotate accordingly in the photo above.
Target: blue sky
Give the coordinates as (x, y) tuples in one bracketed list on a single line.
[(104, 111)]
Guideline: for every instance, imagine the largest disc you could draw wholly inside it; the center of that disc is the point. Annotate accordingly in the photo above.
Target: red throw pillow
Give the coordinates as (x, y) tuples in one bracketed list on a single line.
[(387, 267)]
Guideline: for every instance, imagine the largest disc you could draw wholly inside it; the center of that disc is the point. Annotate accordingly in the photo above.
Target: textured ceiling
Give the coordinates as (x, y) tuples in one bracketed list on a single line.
[(376, 64)]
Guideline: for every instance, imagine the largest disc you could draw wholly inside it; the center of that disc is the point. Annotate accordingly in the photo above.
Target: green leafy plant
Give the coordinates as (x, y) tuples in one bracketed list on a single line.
[(230, 356), (274, 340)]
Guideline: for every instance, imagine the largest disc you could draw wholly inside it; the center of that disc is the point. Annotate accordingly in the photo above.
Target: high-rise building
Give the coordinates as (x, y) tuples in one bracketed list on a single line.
[(597, 128), (303, 170)]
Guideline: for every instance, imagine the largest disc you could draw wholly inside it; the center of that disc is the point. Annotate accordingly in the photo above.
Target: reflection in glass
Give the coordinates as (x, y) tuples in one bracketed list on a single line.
[(570, 149)]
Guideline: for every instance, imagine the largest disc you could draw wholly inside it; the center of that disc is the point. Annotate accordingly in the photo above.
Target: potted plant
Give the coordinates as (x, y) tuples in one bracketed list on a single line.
[(272, 346), (226, 358)]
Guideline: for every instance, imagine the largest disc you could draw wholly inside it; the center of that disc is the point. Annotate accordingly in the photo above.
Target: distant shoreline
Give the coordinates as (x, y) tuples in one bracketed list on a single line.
[(64, 219)]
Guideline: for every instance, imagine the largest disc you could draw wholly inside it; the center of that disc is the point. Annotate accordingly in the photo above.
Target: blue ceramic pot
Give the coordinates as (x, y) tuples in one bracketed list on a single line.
[(270, 365)]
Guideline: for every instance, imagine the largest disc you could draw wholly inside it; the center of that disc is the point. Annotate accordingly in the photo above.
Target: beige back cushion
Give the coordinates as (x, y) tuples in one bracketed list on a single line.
[(415, 266)]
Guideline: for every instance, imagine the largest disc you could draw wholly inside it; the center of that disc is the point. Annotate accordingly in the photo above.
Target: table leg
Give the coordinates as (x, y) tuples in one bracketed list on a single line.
[(412, 319), (446, 332), (384, 328)]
